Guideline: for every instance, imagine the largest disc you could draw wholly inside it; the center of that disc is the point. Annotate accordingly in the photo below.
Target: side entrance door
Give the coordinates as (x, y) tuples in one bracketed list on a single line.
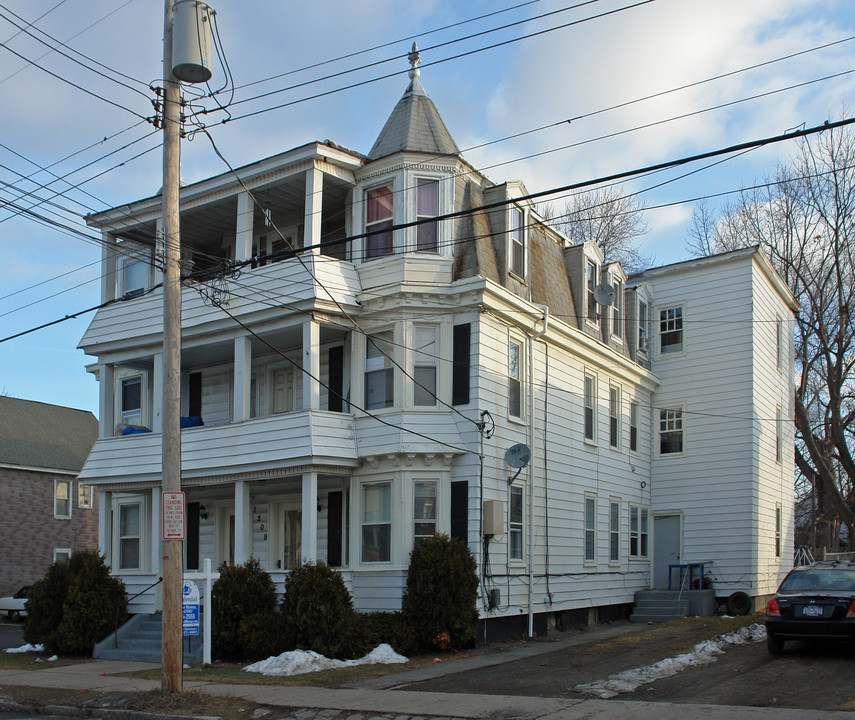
[(666, 547)]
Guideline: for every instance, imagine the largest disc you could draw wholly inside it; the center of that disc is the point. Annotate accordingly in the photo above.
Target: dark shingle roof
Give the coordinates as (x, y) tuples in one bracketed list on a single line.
[(414, 125), (38, 435)]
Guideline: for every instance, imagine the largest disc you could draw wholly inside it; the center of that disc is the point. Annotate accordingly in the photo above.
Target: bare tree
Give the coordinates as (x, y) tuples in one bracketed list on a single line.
[(805, 220), (608, 217)]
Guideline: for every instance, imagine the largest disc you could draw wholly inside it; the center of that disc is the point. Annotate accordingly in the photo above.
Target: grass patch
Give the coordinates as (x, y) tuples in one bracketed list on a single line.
[(234, 674), (36, 661)]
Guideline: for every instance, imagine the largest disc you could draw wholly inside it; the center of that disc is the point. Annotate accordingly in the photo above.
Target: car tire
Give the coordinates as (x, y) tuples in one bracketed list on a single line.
[(774, 644), (15, 616)]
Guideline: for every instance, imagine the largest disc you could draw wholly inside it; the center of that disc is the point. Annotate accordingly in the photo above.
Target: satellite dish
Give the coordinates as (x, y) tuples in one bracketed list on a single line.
[(517, 456), (604, 294)]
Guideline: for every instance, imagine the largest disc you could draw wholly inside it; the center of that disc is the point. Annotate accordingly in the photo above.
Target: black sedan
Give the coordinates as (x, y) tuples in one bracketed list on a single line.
[(815, 602)]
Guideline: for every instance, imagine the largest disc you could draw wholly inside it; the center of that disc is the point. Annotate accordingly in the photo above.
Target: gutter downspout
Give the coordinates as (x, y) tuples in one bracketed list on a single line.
[(536, 336)]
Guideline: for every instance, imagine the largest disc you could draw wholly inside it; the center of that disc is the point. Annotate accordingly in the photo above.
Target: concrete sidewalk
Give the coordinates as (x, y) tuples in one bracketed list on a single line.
[(398, 704)]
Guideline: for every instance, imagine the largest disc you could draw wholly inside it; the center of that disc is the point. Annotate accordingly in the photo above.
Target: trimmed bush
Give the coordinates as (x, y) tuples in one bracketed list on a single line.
[(240, 592), (378, 627), (440, 599), (264, 635), (74, 605), (319, 612)]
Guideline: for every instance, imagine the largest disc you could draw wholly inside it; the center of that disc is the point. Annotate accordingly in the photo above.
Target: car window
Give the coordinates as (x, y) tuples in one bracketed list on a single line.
[(819, 580)]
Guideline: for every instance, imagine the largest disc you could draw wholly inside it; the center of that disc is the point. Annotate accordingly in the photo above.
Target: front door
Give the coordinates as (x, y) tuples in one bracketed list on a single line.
[(291, 522), (666, 547)]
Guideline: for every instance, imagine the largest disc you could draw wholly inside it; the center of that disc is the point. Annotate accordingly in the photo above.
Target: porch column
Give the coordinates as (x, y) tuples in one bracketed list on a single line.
[(243, 523), (106, 401), (243, 235), (314, 203), (157, 394), (312, 364), (243, 378), (156, 530), (108, 266), (105, 530), (310, 516)]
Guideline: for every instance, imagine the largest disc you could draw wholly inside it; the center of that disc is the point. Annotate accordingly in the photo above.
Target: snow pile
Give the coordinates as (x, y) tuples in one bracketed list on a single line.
[(26, 648), (702, 654), (297, 662)]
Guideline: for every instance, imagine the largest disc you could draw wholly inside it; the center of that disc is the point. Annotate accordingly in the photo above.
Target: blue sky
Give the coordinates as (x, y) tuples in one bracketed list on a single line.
[(575, 72)]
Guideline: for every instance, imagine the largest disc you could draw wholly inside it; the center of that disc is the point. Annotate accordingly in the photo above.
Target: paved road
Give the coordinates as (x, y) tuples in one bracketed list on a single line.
[(11, 634)]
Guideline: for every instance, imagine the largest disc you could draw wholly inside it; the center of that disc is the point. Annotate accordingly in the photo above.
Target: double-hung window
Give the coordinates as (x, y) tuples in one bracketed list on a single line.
[(779, 527), (424, 512), (515, 524), (379, 376), (590, 529), (84, 496), (617, 308), (779, 342), (377, 522), (514, 379), (378, 222), (590, 404), (592, 276), (671, 330), (62, 498), (517, 243), (134, 276), (424, 366), (633, 426), (614, 531), (427, 206), (670, 431), (779, 435), (132, 400), (638, 532), (643, 327), (129, 536), (614, 416)]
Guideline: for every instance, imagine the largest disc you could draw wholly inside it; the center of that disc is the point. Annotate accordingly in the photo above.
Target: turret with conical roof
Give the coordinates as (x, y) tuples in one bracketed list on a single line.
[(415, 124)]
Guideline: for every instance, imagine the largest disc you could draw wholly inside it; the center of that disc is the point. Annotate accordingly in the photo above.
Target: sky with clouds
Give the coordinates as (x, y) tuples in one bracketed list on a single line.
[(74, 139)]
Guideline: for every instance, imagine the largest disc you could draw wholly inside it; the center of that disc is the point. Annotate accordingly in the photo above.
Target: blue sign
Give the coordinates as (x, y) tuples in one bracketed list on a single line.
[(190, 607)]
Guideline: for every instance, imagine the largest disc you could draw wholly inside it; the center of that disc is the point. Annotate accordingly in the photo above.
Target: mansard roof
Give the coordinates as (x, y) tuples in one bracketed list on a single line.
[(415, 124)]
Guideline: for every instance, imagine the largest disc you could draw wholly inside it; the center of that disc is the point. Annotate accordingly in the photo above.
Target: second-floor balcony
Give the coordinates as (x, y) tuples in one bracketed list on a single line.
[(251, 448)]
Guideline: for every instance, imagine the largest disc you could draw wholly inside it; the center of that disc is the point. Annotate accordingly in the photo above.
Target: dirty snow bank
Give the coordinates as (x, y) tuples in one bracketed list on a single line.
[(703, 653), (296, 662)]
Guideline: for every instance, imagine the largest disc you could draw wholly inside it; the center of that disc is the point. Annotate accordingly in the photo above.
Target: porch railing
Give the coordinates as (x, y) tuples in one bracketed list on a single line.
[(125, 602)]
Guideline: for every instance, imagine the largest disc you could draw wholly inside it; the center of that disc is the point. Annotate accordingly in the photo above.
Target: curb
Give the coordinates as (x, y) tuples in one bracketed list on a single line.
[(75, 711)]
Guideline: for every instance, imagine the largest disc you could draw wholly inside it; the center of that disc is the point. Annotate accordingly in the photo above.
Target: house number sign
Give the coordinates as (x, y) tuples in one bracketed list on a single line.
[(173, 516)]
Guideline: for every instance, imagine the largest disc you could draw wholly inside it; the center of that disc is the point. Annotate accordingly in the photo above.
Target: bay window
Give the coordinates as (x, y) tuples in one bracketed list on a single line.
[(427, 206), (424, 512), (378, 222), (377, 522), (379, 376), (424, 366)]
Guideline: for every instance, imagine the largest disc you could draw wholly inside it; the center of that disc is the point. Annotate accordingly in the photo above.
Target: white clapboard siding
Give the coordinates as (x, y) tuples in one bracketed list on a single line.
[(138, 321), (260, 444)]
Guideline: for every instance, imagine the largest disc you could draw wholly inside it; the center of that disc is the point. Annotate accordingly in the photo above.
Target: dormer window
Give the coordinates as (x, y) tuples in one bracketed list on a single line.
[(427, 206), (617, 307), (643, 327), (591, 278), (378, 222), (133, 276), (516, 262)]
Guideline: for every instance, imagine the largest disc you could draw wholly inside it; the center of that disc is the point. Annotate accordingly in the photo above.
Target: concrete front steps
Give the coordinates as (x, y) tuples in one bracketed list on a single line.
[(656, 606), (141, 639)]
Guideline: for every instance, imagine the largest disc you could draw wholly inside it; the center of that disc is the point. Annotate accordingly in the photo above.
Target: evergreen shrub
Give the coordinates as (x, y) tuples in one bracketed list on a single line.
[(264, 635), (318, 611), (240, 592), (74, 605), (391, 628), (440, 599)]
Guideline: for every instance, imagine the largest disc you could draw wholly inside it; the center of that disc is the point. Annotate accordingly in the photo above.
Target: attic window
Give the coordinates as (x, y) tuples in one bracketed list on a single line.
[(378, 222), (517, 243)]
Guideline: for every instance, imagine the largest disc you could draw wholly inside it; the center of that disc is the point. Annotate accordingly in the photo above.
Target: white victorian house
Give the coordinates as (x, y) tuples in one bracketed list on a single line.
[(360, 376)]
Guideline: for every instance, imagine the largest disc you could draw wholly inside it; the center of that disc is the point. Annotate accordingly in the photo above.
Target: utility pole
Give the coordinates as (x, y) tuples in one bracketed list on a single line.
[(171, 663)]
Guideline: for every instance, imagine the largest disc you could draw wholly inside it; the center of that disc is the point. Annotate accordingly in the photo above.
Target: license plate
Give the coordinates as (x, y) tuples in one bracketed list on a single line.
[(812, 611)]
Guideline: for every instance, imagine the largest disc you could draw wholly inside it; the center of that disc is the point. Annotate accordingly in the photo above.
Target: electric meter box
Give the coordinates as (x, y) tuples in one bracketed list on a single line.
[(494, 517)]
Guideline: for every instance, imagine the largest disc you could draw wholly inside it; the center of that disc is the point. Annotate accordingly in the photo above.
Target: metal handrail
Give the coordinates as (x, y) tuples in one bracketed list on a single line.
[(125, 602)]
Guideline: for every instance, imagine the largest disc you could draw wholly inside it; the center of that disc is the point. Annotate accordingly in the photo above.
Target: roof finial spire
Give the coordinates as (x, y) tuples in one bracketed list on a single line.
[(415, 59)]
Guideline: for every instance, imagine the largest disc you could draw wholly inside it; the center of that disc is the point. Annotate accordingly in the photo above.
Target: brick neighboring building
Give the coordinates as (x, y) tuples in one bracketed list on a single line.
[(44, 513)]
